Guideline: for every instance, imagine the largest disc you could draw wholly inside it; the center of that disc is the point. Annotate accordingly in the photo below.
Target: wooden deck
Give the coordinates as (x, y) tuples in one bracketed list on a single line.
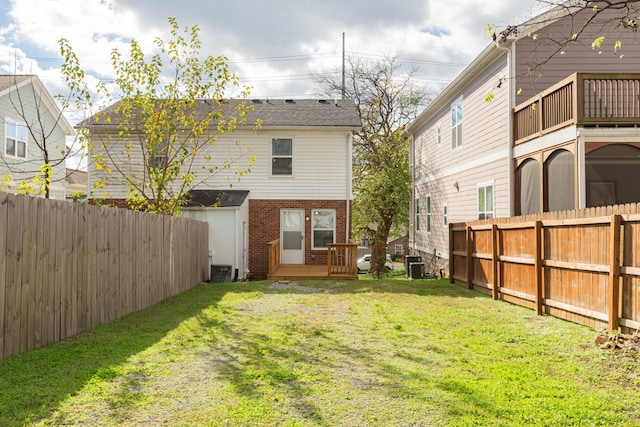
[(306, 272)]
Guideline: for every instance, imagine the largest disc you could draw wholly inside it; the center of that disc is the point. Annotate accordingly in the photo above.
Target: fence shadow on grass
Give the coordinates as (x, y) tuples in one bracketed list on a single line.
[(300, 351), (35, 383)]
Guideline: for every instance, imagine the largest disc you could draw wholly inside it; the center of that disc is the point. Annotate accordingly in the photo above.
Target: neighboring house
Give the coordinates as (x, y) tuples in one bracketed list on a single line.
[(397, 246), (29, 116), (75, 184), (505, 138), (299, 189)]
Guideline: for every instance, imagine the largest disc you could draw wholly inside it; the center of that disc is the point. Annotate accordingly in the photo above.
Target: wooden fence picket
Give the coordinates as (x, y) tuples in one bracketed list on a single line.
[(66, 268), (582, 266)]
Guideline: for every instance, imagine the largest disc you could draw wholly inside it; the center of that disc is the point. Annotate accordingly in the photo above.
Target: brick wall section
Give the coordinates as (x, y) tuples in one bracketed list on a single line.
[(264, 227), (112, 203)]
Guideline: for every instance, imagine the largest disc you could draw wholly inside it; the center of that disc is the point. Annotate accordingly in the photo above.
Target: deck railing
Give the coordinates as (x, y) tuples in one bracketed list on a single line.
[(582, 99), (342, 259), (274, 256)]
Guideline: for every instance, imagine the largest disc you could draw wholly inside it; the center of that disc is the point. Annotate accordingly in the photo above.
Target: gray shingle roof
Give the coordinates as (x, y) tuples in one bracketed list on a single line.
[(8, 80), (219, 198), (275, 112), (305, 112)]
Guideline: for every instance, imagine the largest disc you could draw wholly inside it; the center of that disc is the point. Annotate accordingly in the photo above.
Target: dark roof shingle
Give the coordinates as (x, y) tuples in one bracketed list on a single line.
[(218, 198), (273, 112)]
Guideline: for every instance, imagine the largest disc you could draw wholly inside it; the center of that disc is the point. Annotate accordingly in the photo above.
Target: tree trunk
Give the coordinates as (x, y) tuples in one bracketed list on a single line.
[(379, 249)]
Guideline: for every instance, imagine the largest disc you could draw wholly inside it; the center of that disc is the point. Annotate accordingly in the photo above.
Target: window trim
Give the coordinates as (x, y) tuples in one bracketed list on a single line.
[(439, 133), (313, 228), (272, 157), (485, 185), (445, 215), (456, 123), (8, 122)]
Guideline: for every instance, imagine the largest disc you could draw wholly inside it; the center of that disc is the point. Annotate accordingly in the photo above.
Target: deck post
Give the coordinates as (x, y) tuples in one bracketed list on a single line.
[(539, 297), (469, 257), (494, 261), (614, 273)]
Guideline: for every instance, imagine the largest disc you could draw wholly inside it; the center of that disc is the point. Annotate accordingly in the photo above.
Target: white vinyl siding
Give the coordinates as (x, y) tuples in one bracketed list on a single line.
[(321, 166), (483, 159)]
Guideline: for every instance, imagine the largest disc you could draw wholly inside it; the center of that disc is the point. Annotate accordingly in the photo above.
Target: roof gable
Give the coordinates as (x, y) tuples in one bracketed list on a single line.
[(8, 81)]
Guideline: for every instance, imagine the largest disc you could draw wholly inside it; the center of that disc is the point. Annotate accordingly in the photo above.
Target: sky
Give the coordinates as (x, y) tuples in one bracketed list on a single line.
[(274, 46)]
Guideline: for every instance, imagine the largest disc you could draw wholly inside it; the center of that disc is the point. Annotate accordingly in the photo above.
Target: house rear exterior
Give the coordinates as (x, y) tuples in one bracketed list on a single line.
[(298, 189), (526, 129)]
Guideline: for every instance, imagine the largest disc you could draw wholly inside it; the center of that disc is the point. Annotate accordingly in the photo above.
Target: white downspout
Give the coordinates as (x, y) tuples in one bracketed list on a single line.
[(582, 186), (512, 94), (412, 201), (349, 184)]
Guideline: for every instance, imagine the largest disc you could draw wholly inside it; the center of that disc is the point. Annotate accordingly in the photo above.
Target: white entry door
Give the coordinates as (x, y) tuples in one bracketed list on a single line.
[(292, 236)]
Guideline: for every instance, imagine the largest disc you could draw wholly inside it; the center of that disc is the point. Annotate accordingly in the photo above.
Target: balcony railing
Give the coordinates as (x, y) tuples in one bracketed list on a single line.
[(582, 99)]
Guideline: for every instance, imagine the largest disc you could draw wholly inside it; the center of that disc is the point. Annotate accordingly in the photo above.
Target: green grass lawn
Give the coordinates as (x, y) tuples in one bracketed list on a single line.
[(388, 352)]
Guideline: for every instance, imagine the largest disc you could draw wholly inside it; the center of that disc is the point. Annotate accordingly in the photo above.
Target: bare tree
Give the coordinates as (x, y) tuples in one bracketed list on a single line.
[(46, 129), (603, 26), (387, 99)]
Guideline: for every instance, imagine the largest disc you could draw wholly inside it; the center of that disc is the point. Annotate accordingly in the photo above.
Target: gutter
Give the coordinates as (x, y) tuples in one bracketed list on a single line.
[(509, 51)]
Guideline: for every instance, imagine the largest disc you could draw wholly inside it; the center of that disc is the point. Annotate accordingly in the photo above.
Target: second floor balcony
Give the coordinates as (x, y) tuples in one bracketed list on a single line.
[(582, 99)]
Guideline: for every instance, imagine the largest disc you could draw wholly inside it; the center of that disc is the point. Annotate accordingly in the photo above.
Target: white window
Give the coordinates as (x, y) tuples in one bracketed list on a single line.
[(157, 156), (428, 211), (417, 213), (15, 142), (485, 201), (282, 156), (398, 250), (456, 123), (324, 227), (439, 133), (445, 214)]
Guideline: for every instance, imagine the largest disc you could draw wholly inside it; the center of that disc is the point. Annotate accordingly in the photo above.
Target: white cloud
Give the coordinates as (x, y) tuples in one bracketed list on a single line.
[(293, 39)]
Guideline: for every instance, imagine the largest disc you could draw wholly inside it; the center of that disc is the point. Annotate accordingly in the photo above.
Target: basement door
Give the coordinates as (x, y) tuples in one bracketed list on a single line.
[(292, 236)]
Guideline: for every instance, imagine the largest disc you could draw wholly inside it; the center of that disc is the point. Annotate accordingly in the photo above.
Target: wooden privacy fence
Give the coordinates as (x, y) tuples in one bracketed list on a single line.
[(66, 268), (582, 266)]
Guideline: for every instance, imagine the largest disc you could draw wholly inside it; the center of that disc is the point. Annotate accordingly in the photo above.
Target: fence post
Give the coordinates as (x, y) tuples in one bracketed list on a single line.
[(538, 267), (451, 250), (469, 258), (494, 260), (614, 272)]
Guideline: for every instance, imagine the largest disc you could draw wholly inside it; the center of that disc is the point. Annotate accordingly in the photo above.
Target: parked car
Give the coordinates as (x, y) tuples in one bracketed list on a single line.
[(364, 263)]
